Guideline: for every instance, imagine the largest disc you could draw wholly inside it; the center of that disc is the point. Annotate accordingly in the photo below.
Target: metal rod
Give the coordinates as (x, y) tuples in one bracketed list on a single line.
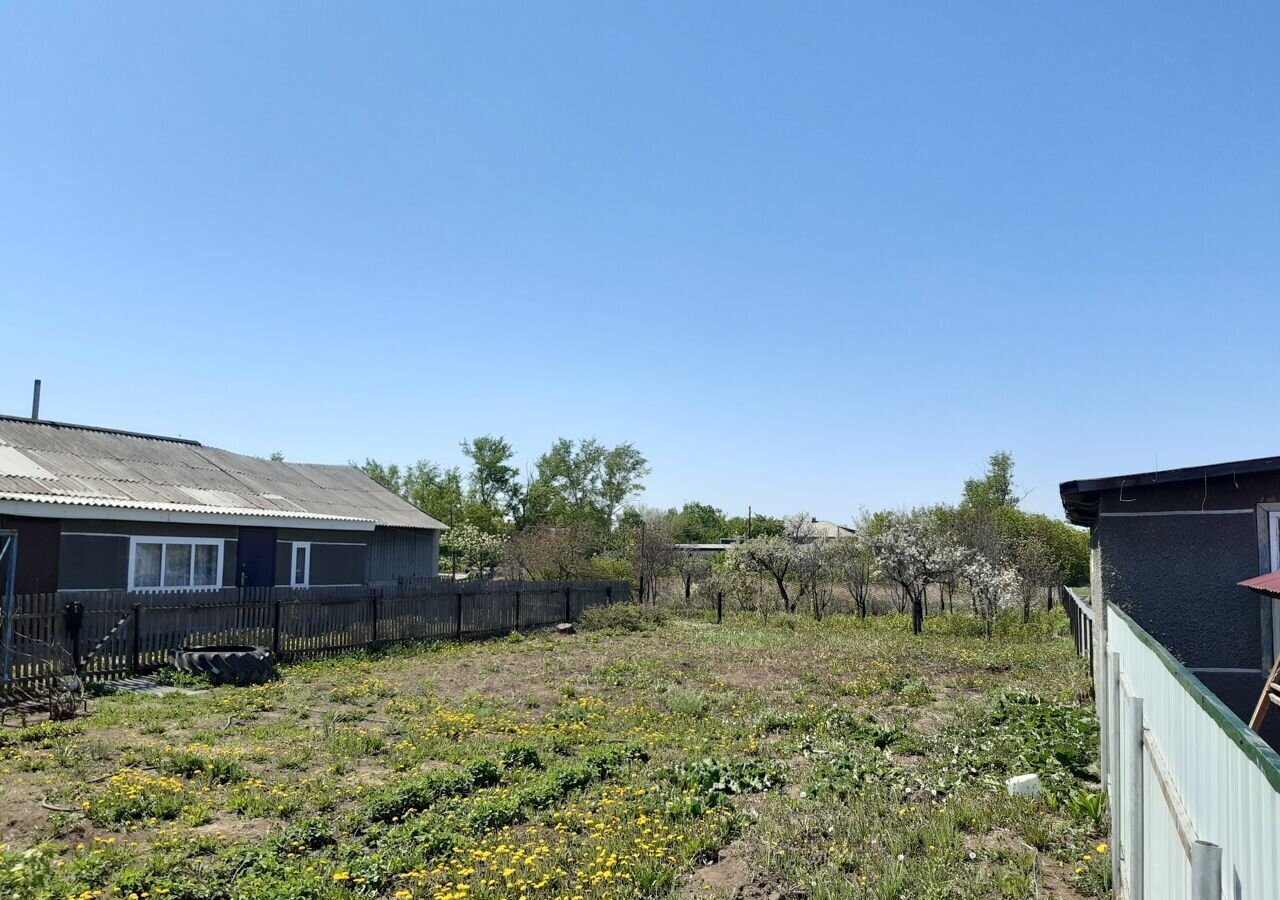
[(1134, 795), (1206, 871)]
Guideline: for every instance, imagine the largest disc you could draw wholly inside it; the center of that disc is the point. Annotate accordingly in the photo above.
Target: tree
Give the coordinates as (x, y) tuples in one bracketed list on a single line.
[(993, 495), (494, 482), (854, 567), (1035, 567), (992, 584), (583, 483), (758, 525), (772, 555), (812, 569), (913, 551), (699, 523), (692, 566), (278, 456), (654, 553), (435, 490), (549, 552), (474, 548), (387, 476), (624, 470), (995, 488)]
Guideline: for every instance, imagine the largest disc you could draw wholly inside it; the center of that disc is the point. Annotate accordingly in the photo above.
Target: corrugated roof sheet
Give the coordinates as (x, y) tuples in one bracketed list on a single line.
[(53, 462), (1268, 584)]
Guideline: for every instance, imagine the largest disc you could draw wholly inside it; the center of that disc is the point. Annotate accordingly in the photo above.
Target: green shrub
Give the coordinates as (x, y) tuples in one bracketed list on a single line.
[(712, 776), (417, 794), (521, 756), (190, 764), (483, 773), (491, 814), (621, 617)]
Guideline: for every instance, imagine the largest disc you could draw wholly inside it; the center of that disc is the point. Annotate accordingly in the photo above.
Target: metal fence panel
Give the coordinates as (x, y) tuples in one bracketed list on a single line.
[(1203, 778)]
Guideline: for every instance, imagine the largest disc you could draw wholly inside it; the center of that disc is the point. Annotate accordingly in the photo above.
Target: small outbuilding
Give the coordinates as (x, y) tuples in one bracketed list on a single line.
[(103, 509), (1170, 548)]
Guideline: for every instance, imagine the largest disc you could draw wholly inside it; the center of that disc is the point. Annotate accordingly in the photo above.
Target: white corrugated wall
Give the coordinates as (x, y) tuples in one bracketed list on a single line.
[(1223, 775)]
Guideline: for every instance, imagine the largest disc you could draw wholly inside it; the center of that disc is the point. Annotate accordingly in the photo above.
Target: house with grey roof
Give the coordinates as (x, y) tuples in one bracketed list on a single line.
[(102, 509)]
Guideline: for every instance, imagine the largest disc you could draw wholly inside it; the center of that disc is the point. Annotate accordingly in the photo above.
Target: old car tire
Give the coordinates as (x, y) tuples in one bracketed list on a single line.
[(229, 664)]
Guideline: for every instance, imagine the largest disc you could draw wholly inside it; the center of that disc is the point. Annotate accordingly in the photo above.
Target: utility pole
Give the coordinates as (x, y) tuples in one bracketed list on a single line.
[(748, 523)]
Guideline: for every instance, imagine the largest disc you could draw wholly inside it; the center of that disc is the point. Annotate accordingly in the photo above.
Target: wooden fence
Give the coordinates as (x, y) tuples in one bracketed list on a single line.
[(105, 634)]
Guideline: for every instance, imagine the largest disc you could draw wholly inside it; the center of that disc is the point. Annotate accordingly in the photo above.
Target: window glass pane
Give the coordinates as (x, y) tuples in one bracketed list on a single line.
[(299, 565), (146, 565), (206, 568), (177, 565)]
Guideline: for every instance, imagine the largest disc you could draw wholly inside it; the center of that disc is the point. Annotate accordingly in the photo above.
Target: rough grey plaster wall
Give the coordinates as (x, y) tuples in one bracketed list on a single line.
[(1176, 576)]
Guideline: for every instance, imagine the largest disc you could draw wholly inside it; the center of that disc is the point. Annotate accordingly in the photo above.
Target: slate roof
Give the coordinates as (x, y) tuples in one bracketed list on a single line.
[(59, 463)]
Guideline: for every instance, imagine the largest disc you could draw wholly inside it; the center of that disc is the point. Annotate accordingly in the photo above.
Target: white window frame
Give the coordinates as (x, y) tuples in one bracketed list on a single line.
[(136, 539), (293, 565)]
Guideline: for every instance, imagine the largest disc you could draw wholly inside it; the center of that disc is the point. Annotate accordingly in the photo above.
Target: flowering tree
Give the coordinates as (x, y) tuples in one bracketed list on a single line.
[(780, 556), (854, 567), (474, 548), (772, 555), (912, 552), (992, 585)]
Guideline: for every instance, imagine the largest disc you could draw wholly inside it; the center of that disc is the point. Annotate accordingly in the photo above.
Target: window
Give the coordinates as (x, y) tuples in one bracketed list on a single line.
[(301, 568), (174, 564)]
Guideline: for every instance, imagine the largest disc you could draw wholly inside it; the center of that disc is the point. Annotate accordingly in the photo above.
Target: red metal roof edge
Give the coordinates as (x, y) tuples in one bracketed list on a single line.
[(1267, 584)]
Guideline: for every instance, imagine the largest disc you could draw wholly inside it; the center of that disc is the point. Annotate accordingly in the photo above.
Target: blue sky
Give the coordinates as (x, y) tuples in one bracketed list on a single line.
[(805, 256)]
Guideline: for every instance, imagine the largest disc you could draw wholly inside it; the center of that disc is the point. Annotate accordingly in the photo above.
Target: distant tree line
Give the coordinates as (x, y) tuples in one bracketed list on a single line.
[(575, 488), (985, 548), (572, 515)]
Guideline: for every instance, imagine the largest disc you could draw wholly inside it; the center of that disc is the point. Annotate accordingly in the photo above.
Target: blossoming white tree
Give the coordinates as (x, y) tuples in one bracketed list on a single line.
[(993, 586), (911, 551)]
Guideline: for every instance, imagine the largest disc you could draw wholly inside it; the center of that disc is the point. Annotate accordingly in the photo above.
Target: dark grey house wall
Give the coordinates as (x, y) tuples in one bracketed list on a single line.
[(337, 557), (93, 563), (94, 553), (159, 529), (1228, 492), (1176, 576), (403, 552)]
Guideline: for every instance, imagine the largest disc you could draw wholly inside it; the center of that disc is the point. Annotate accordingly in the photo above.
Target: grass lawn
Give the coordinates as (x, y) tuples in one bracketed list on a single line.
[(778, 760)]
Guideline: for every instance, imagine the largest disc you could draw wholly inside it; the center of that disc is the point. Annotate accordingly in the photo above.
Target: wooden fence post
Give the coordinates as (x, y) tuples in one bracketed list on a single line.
[(275, 626), (719, 607), (75, 616), (568, 605), (135, 638), (373, 617), (517, 610), (459, 615)]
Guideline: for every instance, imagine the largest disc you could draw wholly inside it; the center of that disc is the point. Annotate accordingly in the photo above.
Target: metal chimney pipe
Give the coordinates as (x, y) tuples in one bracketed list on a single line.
[(35, 401)]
